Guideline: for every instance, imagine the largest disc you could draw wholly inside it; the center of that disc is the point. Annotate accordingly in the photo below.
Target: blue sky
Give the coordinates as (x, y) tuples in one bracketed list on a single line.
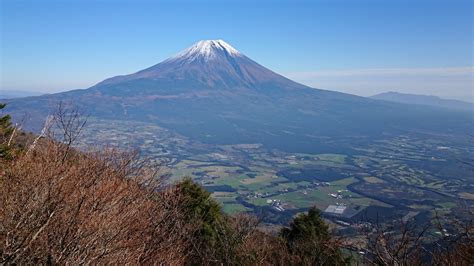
[(360, 47)]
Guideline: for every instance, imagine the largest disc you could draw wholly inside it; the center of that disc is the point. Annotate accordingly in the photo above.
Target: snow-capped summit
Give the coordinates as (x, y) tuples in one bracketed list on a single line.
[(208, 50), (209, 64)]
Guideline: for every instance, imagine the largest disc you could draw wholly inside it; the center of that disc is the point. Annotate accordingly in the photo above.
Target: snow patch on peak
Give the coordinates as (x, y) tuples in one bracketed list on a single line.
[(207, 49)]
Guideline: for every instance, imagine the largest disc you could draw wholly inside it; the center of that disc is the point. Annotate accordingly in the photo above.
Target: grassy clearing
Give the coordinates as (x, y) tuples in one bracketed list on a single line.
[(373, 180), (231, 208), (420, 207), (334, 158), (466, 195), (264, 177), (224, 196), (301, 200), (343, 183), (258, 201)]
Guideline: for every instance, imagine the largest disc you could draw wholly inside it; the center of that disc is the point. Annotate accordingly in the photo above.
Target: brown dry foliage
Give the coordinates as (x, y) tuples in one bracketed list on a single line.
[(94, 208)]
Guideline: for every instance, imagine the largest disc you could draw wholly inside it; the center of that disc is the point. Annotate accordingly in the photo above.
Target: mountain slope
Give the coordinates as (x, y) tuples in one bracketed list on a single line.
[(423, 100), (209, 64), (213, 93)]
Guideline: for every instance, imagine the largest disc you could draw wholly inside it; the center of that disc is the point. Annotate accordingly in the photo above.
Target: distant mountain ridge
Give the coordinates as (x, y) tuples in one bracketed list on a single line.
[(424, 100), (10, 94), (213, 93)]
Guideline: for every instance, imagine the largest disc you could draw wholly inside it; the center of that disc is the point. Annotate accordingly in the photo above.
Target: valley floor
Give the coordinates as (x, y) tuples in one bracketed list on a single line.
[(406, 176)]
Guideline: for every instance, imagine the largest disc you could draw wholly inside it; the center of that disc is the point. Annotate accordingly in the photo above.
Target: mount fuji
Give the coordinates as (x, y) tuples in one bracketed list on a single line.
[(209, 64), (211, 92)]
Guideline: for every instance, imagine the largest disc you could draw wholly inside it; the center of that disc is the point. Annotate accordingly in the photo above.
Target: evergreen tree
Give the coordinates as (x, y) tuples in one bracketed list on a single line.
[(6, 130), (199, 205), (309, 239), (212, 241)]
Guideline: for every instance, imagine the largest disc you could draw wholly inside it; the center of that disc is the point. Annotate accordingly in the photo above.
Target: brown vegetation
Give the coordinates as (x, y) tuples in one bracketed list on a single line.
[(93, 208)]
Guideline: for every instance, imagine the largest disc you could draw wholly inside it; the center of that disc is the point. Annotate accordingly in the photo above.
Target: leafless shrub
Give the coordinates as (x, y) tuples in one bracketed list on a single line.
[(455, 245), (395, 245), (89, 209), (409, 244), (256, 247)]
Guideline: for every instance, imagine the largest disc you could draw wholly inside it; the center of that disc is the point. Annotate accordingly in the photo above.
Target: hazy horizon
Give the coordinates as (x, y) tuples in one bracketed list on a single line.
[(338, 80)]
